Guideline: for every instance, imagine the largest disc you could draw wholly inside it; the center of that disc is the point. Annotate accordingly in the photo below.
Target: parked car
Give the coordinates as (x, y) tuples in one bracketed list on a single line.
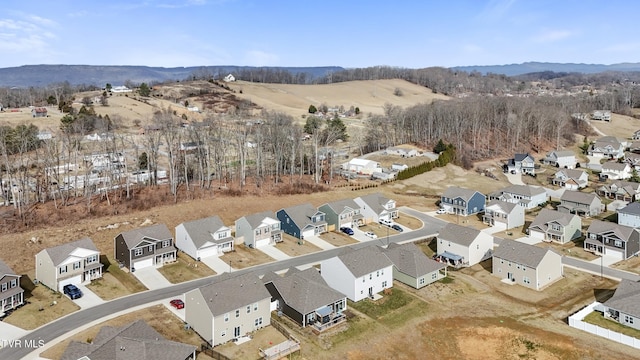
[(72, 291), (397, 227), (347, 230), (371, 235), (386, 222), (177, 303), (441, 211)]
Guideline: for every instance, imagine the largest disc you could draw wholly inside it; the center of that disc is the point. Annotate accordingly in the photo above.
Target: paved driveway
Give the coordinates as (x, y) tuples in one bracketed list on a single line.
[(528, 240), (616, 204), (88, 299), (10, 332), (319, 242), (217, 264), (177, 312), (605, 260), (274, 252), (515, 179), (151, 278), (594, 163)]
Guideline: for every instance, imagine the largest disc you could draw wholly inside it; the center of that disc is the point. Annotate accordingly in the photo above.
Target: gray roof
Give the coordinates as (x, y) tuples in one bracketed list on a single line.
[(255, 220), (156, 232), (301, 214), (135, 341), (306, 291), (375, 202), (59, 253), (606, 227), (613, 165), (626, 299), (339, 205), (5, 269), (364, 261), (633, 209), (201, 231), (579, 197), (458, 234), (572, 173), (525, 190), (546, 216), (520, 157), (453, 192), (233, 291), (561, 153), (410, 260), (521, 253), (609, 140), (507, 207)]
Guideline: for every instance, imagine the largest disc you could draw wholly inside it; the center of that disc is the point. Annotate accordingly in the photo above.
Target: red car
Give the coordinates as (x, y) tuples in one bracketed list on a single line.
[(177, 303)]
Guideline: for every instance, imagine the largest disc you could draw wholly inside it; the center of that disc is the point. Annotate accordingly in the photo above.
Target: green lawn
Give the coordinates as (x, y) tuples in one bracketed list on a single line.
[(393, 309), (598, 319)]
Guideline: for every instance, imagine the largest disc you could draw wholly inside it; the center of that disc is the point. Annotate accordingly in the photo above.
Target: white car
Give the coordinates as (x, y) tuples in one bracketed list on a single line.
[(371, 235), (441, 211), (386, 222)]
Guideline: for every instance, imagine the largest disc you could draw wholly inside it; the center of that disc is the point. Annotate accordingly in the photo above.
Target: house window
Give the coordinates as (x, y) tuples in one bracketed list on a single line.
[(255, 307), (258, 231), (370, 276), (237, 313), (91, 259), (4, 287), (258, 321), (382, 272), (421, 281), (384, 284), (618, 243), (434, 276), (223, 333), (150, 248), (226, 318), (137, 252), (501, 261), (165, 243), (378, 273), (628, 319), (76, 265), (526, 280), (14, 283), (63, 269), (363, 279), (248, 309)]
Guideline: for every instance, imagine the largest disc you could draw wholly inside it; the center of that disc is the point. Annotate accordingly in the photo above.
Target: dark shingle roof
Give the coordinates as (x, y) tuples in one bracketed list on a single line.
[(301, 214), (458, 234), (156, 232), (201, 231), (607, 227), (365, 260), (626, 298), (631, 209), (59, 253), (578, 197), (306, 291), (410, 260), (136, 341), (520, 253), (233, 291), (547, 215)]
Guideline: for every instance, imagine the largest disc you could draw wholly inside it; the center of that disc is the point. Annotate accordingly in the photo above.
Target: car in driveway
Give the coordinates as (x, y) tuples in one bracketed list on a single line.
[(347, 230), (386, 222), (441, 211), (177, 303), (371, 235), (72, 291), (397, 228)]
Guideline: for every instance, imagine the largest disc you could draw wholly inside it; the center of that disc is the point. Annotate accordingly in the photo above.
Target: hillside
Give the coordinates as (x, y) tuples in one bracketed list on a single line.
[(535, 67), (370, 96)]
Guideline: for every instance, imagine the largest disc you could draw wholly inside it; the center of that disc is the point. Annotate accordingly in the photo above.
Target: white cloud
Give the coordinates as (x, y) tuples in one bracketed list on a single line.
[(27, 38), (260, 58), (548, 36)]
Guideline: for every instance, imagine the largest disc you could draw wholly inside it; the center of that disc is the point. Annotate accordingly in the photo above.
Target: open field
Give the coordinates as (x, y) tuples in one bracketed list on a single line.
[(369, 96), (621, 126)]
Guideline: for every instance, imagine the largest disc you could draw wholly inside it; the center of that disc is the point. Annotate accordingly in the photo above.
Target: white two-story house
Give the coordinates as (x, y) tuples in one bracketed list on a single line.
[(74, 263), (258, 230)]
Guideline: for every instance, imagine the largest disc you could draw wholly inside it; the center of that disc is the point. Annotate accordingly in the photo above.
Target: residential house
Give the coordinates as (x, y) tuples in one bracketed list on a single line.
[(552, 225), (636, 135), (136, 340), (260, 229), (302, 221), (462, 245), (401, 151), (611, 239), (526, 196), (570, 179), (620, 190), (228, 308), (204, 237), (527, 265), (306, 298), (630, 215), (39, 112), (362, 166), (358, 273), (11, 294), (77, 262), (503, 215), (342, 213), (399, 167), (615, 171), (144, 247), (624, 305), (120, 89), (375, 207), (601, 115), (229, 78), (521, 163), (461, 201), (607, 146), (565, 159), (633, 157), (44, 135), (580, 203), (412, 267), (634, 147)]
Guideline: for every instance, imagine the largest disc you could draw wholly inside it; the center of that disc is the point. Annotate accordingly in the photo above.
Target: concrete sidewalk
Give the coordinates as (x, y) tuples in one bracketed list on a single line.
[(151, 278), (319, 242), (10, 332), (88, 299), (273, 252), (217, 264)]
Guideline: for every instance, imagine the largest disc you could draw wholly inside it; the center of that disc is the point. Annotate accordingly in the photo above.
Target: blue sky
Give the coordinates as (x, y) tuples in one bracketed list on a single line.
[(348, 33)]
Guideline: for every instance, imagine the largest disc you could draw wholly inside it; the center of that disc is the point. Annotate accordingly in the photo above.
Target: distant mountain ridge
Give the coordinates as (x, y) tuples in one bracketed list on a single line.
[(99, 75), (535, 67)]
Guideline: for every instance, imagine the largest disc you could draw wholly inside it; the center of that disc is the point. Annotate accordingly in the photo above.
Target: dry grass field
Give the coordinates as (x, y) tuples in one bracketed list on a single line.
[(621, 126)]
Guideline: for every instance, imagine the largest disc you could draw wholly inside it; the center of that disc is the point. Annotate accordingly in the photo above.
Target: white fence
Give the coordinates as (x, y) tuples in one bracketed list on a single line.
[(575, 321)]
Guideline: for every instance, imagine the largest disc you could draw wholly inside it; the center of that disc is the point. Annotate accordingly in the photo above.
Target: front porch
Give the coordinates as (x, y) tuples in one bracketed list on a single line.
[(165, 258)]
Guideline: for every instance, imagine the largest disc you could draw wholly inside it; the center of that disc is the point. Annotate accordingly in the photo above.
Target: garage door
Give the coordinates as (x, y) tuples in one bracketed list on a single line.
[(76, 280), (210, 251), (263, 242), (500, 225), (614, 253), (140, 264), (536, 235), (308, 233)]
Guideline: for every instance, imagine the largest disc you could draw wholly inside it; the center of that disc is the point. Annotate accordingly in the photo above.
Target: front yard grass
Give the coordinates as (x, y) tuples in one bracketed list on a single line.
[(573, 248), (632, 264), (184, 269), (243, 257), (408, 221), (598, 319), (394, 309), (115, 282), (42, 305), (338, 239), (294, 247), (381, 230)]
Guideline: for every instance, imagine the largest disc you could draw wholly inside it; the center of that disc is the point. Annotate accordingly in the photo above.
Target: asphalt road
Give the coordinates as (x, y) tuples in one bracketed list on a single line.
[(55, 329)]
